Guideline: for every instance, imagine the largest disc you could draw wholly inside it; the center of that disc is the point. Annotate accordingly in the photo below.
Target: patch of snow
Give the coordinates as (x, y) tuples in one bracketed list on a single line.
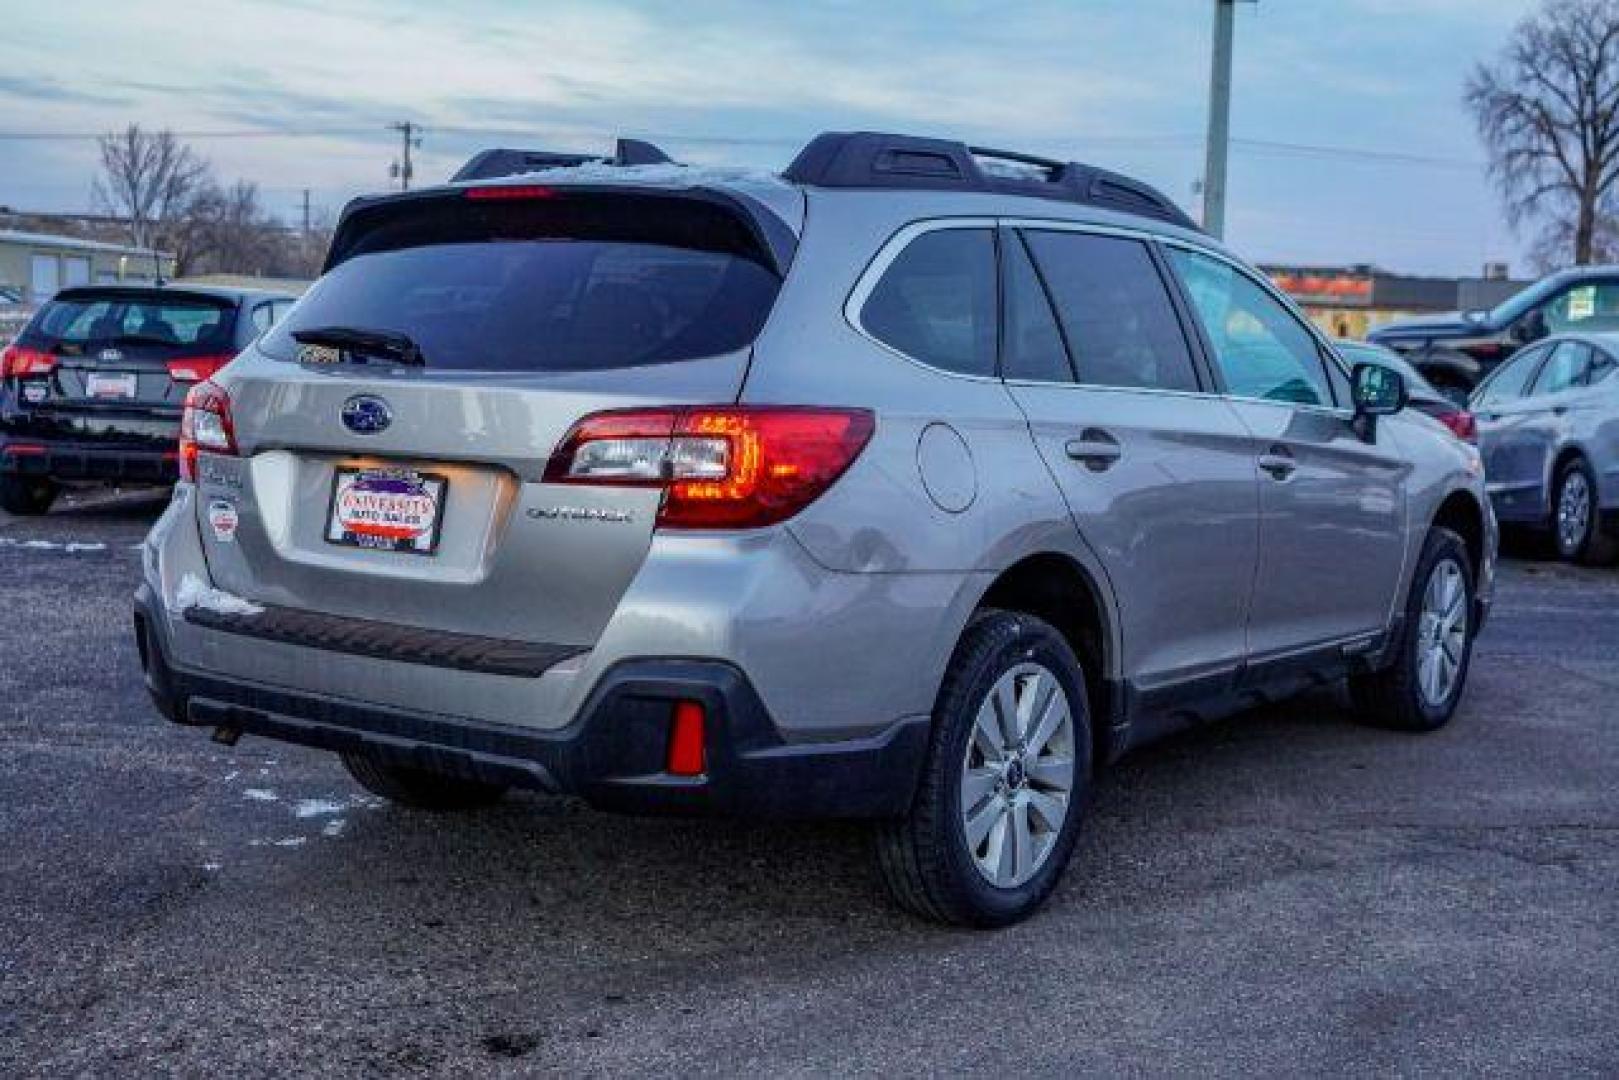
[(334, 827), (72, 547), (666, 174), (210, 866), (233, 774), (308, 808), (197, 593), (292, 841), (259, 794)]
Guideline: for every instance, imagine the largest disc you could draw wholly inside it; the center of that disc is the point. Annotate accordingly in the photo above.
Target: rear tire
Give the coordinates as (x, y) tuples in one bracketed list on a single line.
[(1577, 517), (979, 846), (1419, 691), (26, 496), (420, 789)]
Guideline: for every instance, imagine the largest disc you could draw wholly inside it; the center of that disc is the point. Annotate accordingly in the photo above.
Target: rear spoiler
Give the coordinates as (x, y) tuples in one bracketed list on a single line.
[(771, 237)]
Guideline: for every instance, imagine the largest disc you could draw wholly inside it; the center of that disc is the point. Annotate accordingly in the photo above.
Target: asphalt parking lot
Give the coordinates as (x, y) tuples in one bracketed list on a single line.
[(1285, 893)]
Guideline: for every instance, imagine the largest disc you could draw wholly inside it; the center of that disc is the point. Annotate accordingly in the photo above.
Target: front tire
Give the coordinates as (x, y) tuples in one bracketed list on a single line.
[(26, 496), (1419, 691), (1005, 782), (1577, 518), (420, 789)]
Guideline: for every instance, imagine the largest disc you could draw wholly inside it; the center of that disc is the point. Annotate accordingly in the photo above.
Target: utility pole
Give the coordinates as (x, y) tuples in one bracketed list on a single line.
[(1214, 169), (410, 135), (306, 211)]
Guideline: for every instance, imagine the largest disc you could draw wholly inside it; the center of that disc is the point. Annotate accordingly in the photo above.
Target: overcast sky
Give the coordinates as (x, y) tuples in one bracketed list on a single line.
[(1119, 83)]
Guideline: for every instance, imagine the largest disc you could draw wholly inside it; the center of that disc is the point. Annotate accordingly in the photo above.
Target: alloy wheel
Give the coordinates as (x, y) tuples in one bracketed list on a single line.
[(1017, 778), (1573, 512), (1442, 633)]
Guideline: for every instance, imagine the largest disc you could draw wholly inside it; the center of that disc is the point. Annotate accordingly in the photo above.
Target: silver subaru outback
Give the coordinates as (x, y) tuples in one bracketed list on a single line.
[(915, 484)]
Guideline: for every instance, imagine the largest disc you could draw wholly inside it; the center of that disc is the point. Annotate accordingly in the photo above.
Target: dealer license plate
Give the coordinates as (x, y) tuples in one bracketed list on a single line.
[(386, 510)]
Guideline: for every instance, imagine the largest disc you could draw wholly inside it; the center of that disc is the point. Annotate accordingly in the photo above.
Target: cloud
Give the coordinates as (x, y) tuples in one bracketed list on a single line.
[(44, 88)]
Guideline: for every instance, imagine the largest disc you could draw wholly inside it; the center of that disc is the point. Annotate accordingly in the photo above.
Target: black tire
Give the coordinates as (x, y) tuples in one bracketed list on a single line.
[(1392, 697), (1590, 545), (924, 858), (420, 789), (26, 496)]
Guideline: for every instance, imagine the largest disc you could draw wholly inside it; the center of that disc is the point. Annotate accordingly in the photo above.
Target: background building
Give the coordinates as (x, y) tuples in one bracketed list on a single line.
[(38, 265), (1347, 301)]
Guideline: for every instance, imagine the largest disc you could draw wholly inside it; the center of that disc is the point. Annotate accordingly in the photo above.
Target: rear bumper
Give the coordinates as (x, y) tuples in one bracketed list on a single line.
[(612, 754), (152, 463)]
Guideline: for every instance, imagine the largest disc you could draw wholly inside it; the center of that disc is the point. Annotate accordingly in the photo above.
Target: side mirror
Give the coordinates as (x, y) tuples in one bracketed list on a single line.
[(1378, 391)]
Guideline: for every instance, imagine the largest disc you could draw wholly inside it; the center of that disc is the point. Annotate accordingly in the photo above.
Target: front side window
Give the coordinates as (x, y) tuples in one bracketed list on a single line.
[(1262, 350), (936, 302), (1120, 323), (1510, 380)]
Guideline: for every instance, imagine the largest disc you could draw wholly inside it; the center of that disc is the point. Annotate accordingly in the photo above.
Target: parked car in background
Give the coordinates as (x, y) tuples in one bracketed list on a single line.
[(1456, 352), (91, 389), (14, 312), (895, 487), (1548, 424), (1424, 397)]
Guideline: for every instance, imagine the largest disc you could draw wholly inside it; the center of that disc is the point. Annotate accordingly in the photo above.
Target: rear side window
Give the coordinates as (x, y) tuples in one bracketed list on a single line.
[(1510, 381), (1034, 345), (1121, 326), (936, 302), (83, 324), (579, 282), (1565, 369)]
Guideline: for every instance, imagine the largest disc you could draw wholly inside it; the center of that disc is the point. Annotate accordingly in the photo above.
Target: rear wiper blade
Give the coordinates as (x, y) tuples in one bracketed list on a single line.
[(388, 344)]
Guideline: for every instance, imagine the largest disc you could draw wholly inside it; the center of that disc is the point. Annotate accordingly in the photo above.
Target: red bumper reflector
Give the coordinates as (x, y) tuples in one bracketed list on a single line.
[(18, 449), (686, 753)]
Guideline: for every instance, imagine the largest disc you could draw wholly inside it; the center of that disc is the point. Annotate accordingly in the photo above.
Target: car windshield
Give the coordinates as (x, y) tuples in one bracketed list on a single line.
[(587, 285)]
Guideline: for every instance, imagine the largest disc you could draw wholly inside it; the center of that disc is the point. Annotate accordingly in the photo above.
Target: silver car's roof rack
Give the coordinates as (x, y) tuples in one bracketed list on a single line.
[(872, 159)]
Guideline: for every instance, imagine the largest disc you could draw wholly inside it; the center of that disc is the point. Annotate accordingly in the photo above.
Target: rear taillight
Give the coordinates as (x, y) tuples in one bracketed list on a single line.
[(1461, 424), (196, 368), (721, 467), (205, 426), (18, 360)]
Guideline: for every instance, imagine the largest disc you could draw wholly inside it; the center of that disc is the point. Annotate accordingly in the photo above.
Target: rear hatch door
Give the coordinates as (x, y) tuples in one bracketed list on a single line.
[(414, 493)]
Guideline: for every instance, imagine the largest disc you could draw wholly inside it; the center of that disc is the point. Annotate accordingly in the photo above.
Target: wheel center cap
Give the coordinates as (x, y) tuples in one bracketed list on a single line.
[(1015, 774)]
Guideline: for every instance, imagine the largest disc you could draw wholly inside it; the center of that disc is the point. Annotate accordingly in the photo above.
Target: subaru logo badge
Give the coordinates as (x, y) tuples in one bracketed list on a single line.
[(366, 414), (111, 354)]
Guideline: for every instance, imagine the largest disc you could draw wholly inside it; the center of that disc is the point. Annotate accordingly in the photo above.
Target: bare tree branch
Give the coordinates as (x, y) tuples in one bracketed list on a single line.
[(1548, 113)]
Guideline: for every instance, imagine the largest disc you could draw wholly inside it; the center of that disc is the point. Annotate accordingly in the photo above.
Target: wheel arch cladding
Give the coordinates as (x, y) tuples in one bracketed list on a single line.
[(1461, 514), (1058, 590)]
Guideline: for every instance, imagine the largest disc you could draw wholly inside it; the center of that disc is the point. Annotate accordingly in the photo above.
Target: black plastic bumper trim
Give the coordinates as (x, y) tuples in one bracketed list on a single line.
[(67, 461), (387, 641), (612, 753)]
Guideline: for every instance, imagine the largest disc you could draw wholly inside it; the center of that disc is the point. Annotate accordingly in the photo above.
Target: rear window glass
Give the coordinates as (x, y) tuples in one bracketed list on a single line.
[(586, 283), (82, 323)]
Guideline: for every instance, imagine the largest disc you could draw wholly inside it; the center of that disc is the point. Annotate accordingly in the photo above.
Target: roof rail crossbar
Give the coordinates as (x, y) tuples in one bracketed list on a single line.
[(490, 164), (869, 159)]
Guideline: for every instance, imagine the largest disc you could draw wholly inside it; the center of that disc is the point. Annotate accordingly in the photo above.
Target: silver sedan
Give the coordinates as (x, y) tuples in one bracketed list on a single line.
[(1548, 428)]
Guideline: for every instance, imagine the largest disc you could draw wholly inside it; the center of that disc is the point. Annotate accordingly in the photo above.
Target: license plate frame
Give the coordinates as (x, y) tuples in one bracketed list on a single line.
[(395, 514), (111, 385)]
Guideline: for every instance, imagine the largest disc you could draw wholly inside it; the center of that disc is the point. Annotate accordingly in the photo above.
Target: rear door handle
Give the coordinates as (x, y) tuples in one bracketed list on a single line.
[(1278, 462), (1095, 449)]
